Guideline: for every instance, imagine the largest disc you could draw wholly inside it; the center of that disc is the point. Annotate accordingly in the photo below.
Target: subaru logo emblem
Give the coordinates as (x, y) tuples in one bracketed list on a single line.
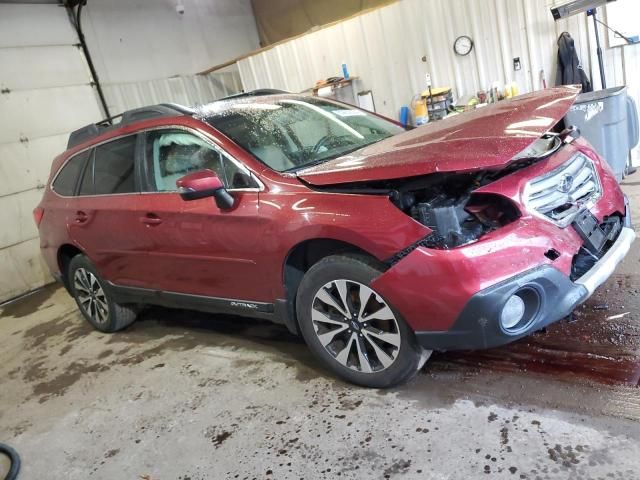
[(566, 182)]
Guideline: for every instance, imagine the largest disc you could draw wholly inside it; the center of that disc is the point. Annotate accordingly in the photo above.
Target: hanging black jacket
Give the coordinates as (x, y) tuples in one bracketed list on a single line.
[(570, 72)]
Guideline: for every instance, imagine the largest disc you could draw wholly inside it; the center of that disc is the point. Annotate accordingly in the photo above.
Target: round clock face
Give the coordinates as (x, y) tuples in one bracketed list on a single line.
[(463, 45)]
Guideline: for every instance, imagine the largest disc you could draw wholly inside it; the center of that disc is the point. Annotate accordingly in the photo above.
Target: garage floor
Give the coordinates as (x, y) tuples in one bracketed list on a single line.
[(183, 395)]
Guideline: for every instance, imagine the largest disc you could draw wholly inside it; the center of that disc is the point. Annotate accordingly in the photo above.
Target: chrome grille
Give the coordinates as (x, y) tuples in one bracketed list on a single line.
[(562, 193)]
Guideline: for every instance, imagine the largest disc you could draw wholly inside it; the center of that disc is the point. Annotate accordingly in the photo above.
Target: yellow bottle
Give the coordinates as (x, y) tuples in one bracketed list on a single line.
[(420, 110)]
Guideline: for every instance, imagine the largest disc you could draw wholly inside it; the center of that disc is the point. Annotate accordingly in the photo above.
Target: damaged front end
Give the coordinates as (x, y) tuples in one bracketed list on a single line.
[(453, 205), (448, 205)]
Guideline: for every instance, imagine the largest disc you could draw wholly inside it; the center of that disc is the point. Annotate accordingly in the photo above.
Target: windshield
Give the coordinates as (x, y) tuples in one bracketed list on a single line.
[(288, 134)]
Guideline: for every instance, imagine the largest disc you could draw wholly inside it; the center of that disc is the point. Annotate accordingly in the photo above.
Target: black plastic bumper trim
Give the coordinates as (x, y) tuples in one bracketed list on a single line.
[(478, 325), (250, 308)]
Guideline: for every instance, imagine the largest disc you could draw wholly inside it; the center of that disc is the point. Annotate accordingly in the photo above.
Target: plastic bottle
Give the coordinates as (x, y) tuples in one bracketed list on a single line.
[(345, 72), (420, 112), (404, 115)]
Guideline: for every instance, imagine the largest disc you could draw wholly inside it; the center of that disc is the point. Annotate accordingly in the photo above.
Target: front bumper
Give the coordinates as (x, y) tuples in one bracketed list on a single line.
[(478, 327), (607, 264)]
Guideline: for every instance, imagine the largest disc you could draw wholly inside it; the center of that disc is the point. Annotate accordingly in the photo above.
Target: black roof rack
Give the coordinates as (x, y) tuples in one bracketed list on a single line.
[(130, 116)]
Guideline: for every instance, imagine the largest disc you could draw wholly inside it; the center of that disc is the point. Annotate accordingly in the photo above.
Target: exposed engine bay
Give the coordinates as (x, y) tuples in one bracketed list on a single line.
[(446, 202), (458, 216), (449, 207)]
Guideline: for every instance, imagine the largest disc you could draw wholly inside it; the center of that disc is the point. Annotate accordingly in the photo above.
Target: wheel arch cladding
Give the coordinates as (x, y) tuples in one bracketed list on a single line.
[(66, 252), (301, 258)]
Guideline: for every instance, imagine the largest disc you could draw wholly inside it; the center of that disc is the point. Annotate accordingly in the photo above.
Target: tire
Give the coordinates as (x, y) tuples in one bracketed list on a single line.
[(98, 308), (369, 360)]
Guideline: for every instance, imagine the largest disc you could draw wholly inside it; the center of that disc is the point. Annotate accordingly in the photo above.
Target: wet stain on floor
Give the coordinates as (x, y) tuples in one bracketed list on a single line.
[(600, 342), (156, 332), (29, 303)]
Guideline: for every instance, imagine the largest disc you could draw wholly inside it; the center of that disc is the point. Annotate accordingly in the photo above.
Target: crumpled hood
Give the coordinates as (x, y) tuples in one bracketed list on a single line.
[(486, 138)]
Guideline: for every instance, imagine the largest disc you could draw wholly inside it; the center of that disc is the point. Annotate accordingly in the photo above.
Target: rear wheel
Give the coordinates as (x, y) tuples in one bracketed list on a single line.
[(93, 298), (351, 327)]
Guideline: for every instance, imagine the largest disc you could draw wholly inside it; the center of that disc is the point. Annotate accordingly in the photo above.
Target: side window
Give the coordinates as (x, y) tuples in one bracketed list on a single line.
[(171, 154), (113, 167), (66, 181), (237, 177)]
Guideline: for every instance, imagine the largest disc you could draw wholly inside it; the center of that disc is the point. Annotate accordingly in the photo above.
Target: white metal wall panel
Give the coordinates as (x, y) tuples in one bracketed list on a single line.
[(44, 67), (386, 47), (22, 269), (16, 214), (43, 112), (138, 40), (189, 90), (35, 25), (44, 94), (27, 165)]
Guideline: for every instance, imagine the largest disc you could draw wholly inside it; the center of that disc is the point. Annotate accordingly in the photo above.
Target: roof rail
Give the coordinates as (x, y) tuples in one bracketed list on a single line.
[(130, 116)]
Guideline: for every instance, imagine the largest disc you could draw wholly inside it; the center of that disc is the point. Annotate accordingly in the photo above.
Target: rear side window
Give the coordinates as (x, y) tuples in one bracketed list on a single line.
[(66, 181), (113, 167)]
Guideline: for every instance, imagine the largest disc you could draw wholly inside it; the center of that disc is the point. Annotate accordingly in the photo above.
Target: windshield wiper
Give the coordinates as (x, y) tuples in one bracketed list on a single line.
[(306, 165)]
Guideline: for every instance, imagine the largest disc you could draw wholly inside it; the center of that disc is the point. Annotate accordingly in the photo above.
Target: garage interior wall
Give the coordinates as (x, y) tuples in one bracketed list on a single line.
[(191, 90), (45, 93), (392, 48), (144, 53)]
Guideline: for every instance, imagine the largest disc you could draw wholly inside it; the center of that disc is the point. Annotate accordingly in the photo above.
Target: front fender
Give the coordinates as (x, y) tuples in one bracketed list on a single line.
[(370, 222)]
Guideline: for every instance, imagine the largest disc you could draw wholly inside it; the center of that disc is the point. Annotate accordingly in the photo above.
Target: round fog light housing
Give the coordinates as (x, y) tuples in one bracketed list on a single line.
[(520, 310), (512, 312)]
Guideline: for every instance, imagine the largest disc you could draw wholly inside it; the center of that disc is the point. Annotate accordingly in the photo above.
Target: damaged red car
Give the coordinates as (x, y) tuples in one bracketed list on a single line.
[(377, 244)]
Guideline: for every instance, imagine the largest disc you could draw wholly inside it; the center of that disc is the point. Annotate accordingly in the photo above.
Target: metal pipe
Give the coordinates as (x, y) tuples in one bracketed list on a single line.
[(599, 49), (76, 21)]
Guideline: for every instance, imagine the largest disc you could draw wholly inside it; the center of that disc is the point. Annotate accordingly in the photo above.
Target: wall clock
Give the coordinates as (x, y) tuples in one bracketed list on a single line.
[(463, 45)]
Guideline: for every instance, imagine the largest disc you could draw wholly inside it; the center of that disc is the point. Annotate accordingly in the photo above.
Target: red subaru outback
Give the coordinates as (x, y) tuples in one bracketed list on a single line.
[(375, 243)]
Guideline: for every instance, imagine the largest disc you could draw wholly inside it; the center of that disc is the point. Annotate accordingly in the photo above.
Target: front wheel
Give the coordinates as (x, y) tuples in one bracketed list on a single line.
[(352, 328), (93, 299)]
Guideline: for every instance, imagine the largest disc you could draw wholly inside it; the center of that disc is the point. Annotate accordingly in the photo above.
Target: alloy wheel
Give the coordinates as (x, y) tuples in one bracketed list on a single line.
[(90, 295), (356, 326)]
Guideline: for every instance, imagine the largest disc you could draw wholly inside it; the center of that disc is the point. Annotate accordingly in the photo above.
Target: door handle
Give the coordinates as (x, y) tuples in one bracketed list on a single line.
[(151, 219), (81, 217)]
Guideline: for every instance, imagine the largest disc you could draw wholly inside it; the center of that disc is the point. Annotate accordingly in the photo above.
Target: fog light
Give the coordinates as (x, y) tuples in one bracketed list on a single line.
[(512, 312)]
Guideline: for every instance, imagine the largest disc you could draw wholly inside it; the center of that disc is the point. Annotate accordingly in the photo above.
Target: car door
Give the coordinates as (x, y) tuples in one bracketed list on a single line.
[(105, 219), (195, 247)]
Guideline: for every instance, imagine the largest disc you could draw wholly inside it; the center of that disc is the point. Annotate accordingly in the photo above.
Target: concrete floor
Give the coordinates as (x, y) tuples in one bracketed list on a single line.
[(183, 395)]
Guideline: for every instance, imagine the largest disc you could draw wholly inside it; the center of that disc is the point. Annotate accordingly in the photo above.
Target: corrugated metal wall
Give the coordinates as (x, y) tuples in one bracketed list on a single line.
[(392, 48), (44, 94), (190, 90)]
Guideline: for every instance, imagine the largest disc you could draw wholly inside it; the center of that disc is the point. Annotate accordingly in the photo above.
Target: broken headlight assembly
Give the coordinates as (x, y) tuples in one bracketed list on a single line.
[(455, 214)]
